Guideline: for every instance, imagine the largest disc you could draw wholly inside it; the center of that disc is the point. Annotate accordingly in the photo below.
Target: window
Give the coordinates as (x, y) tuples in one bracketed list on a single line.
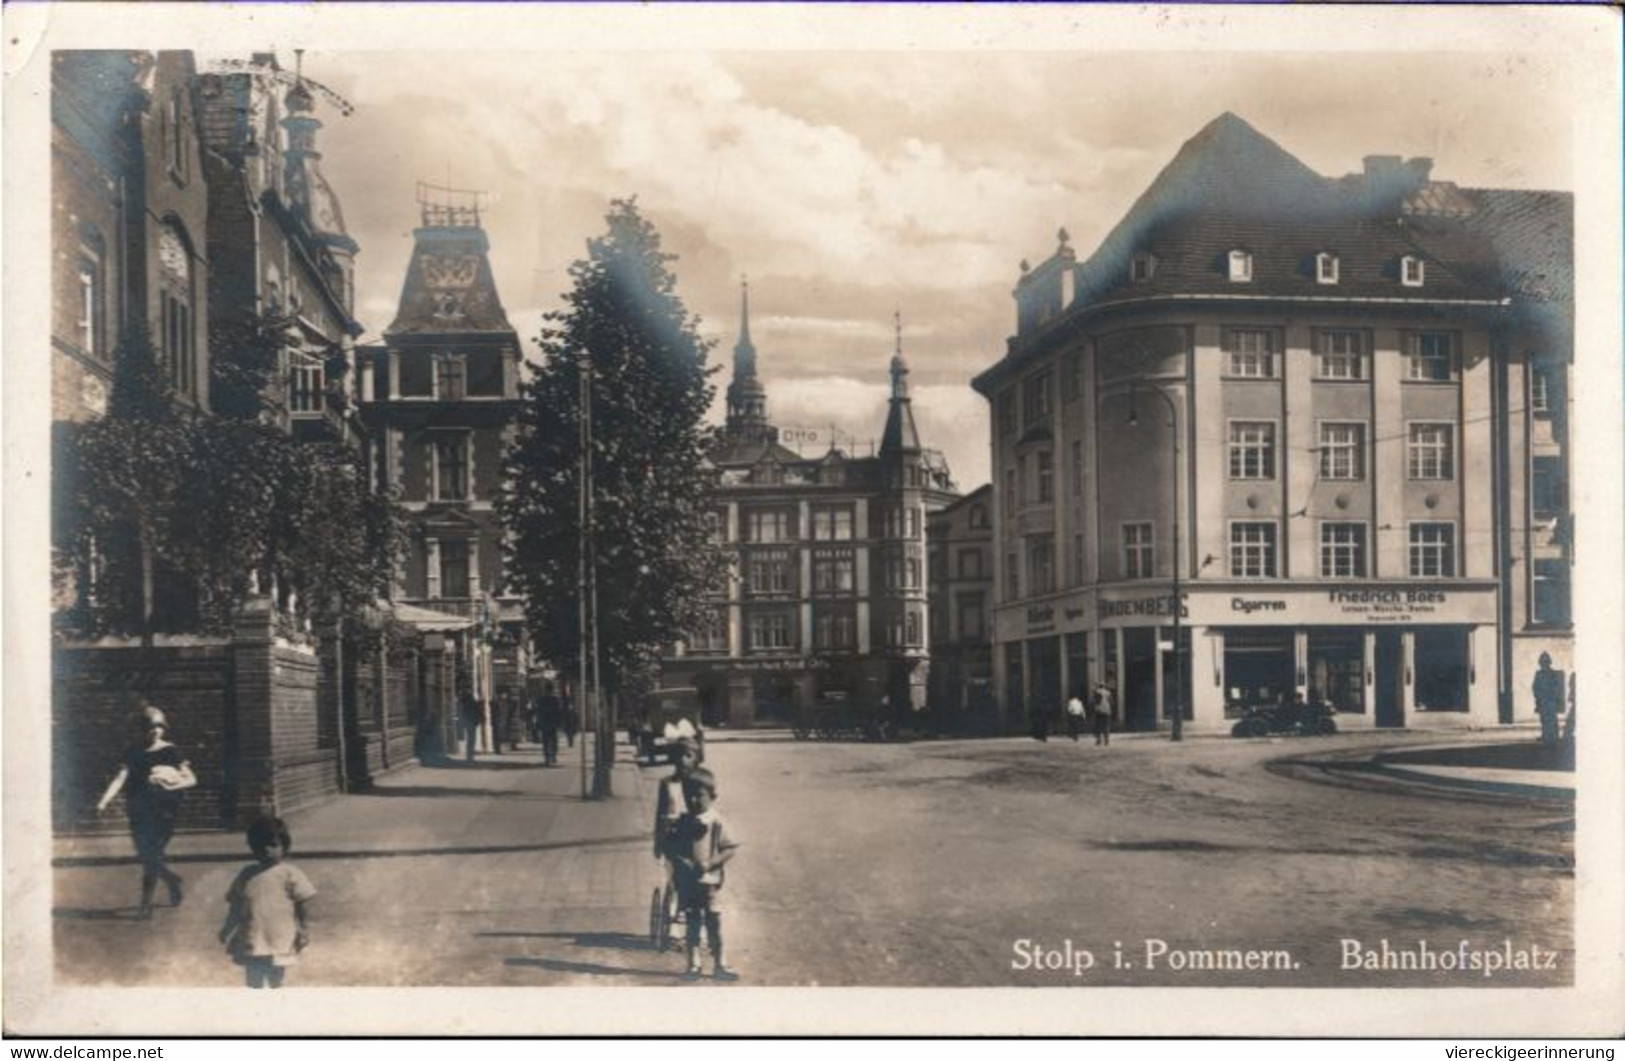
[(1046, 477), (1036, 398), (1342, 451), (911, 627), (970, 617), (451, 467), (416, 376), (1429, 357), (894, 572), (1252, 353), (1252, 550), (1342, 550), (1241, 266), (914, 580), (1144, 267), (1041, 562), (835, 631), (1074, 376), (450, 378), (453, 568), (1009, 492), (716, 525), (1433, 550), (769, 525), (970, 563), (977, 518), (1077, 468), (911, 522), (177, 329), (1410, 271), (711, 635), (1340, 354), (1007, 412), (1325, 268), (1540, 392), (832, 524), (771, 632), (1430, 451), (1252, 449), (305, 386), (1012, 577), (1550, 597), (175, 139), (92, 325), (483, 370), (1548, 487), (1139, 550), (770, 573), (1022, 479)]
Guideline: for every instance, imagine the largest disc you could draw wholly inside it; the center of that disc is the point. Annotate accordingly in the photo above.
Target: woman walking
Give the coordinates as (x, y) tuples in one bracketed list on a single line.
[(152, 777)]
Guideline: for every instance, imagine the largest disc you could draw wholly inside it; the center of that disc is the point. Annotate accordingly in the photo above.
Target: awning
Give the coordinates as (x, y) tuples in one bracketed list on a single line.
[(430, 621)]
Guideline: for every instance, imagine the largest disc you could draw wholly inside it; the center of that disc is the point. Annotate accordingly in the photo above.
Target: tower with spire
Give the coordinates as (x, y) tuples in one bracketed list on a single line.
[(747, 398)]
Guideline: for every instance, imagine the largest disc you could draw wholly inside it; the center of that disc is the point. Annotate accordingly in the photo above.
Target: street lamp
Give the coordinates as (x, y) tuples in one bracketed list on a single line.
[(1178, 730)]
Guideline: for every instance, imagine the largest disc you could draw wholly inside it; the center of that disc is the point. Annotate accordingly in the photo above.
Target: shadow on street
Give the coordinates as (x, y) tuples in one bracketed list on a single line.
[(85, 861)]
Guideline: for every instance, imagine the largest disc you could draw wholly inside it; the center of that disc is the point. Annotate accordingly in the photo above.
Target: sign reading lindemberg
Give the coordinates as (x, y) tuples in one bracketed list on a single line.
[(1149, 607)]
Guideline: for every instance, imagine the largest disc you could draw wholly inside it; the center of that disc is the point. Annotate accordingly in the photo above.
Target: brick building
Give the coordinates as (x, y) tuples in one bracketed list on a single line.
[(1350, 397), (828, 605), (440, 395)]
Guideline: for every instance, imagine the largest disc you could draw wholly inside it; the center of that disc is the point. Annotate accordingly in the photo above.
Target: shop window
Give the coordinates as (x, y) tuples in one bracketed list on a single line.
[(1252, 550), (1550, 592), (1342, 451), (1342, 550), (1251, 353), (1432, 550), (1252, 449), (1337, 668), (1258, 668), (1139, 550), (1340, 354), (1430, 451), (1441, 656), (1430, 357)]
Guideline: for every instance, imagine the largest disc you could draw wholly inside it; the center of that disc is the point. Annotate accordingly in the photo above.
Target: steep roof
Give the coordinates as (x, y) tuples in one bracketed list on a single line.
[(449, 287)]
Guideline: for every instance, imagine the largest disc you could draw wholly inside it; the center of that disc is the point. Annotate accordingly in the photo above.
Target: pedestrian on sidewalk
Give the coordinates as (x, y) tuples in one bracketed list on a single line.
[(569, 721), (1549, 688), (152, 777), (470, 714), (701, 847), (1074, 716), (1103, 714), (267, 908), (547, 723)]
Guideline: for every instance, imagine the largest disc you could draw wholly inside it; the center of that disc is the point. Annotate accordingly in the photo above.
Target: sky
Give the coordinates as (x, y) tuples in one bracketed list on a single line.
[(849, 185)]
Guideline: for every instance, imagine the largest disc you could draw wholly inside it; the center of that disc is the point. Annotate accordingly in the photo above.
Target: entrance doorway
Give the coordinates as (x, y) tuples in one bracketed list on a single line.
[(1388, 690), (1140, 679), (775, 698), (1045, 655)]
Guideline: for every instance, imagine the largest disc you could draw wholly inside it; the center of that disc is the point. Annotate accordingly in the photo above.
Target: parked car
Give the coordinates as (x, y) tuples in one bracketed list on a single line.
[(1298, 717)]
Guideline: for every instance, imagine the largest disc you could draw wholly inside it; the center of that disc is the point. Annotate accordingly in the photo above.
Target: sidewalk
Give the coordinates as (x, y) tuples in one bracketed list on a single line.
[(483, 874)]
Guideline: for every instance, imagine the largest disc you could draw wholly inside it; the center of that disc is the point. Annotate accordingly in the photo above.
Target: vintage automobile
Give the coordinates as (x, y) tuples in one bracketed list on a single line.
[(1262, 720), (668, 716)]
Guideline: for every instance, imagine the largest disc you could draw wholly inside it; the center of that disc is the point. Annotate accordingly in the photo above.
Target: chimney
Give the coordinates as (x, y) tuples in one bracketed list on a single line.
[(1418, 170)]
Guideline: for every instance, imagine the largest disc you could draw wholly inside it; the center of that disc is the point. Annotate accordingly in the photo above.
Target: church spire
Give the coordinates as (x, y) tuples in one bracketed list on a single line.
[(900, 434), (747, 398)]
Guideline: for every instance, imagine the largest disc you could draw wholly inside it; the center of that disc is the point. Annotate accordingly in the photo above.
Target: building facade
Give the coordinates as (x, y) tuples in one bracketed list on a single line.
[(960, 576), (828, 603), (129, 219), (440, 395), (1333, 412)]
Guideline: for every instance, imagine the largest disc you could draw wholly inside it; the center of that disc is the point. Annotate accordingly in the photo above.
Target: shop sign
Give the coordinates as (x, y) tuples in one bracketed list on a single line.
[(1041, 619), (1153, 607), (1388, 605), (776, 666)]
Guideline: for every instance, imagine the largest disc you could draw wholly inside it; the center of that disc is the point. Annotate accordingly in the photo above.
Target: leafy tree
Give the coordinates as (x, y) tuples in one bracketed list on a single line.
[(655, 561)]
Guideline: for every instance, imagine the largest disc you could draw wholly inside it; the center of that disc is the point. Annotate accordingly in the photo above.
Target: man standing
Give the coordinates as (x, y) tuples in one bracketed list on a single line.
[(469, 716), (547, 723), (1074, 716), (1549, 688), (1103, 714)]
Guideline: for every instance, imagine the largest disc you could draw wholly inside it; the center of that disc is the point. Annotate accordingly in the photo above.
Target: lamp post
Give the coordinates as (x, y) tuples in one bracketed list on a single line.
[(1177, 732)]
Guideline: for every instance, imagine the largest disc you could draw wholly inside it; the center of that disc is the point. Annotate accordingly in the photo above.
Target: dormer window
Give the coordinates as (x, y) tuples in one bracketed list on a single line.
[(1241, 266), (1143, 268), (1325, 268), (1410, 271)]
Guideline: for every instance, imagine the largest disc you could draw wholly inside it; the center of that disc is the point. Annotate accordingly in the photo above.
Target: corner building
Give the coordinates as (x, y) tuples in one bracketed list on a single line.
[(1332, 411), (828, 603)]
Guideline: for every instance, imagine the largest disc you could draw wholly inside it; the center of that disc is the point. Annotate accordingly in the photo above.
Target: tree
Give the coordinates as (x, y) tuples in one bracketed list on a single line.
[(655, 560)]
